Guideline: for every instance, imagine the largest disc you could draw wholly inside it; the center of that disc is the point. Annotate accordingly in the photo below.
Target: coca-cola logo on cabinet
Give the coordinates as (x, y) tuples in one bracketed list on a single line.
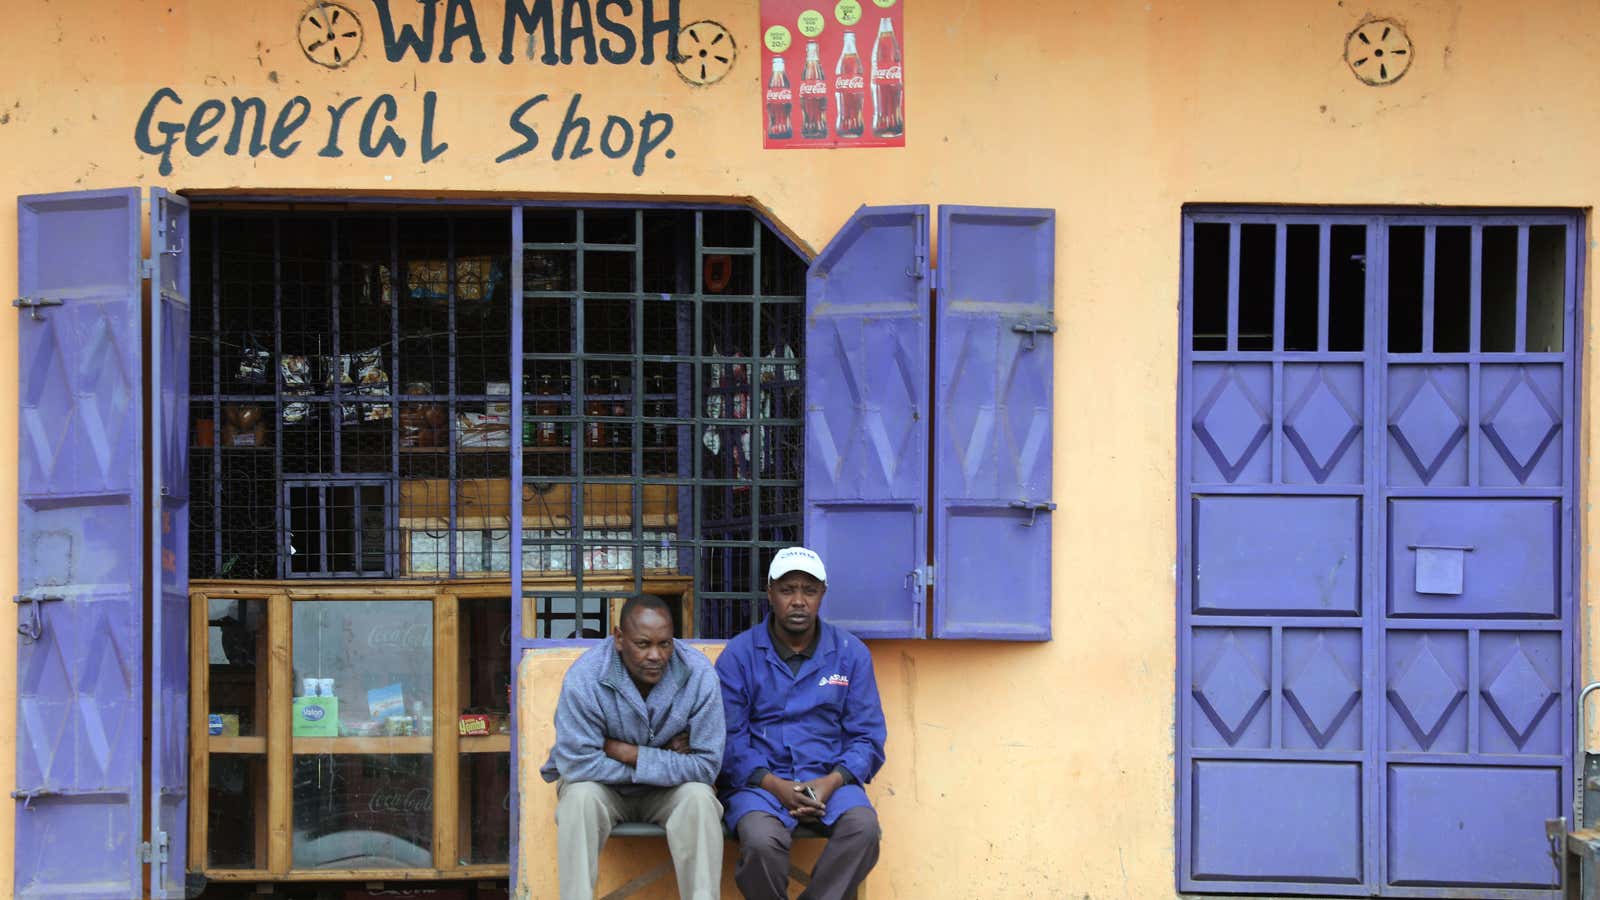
[(401, 800), (401, 636)]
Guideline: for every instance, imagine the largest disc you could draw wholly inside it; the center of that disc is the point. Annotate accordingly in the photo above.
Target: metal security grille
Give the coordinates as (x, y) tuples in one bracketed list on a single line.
[(353, 390)]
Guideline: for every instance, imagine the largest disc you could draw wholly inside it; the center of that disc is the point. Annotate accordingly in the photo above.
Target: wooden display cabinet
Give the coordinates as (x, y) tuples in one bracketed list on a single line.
[(416, 800)]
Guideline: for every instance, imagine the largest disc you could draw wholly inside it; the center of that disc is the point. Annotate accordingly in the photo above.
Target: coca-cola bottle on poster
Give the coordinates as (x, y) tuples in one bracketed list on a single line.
[(780, 103), (888, 84), (849, 90), (813, 96)]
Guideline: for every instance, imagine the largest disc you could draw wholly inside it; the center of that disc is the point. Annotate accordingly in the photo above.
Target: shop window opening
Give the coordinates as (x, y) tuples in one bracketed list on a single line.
[(353, 508)]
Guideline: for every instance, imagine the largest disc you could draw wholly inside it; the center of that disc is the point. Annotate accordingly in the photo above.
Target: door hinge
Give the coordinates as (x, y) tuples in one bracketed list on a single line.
[(156, 853), (147, 269), (1033, 508), (34, 304), (1033, 330)]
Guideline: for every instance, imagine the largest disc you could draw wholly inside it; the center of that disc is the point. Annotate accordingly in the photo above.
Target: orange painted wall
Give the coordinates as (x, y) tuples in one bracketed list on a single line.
[(1015, 771)]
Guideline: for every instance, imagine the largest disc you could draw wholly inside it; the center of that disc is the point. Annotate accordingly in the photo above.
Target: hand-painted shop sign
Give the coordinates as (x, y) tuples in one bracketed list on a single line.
[(380, 125)]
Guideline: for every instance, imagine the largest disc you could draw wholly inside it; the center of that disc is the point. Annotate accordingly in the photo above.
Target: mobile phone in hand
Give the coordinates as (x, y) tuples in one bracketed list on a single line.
[(806, 789)]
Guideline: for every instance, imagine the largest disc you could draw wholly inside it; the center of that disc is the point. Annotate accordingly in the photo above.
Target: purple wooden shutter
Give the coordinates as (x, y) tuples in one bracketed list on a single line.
[(80, 563), (169, 512), (866, 478), (991, 530)]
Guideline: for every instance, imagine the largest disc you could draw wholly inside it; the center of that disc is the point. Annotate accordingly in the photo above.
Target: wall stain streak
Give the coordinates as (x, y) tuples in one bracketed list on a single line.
[(908, 675)]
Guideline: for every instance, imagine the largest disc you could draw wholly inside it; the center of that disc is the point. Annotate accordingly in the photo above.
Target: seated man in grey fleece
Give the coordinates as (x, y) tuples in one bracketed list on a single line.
[(639, 737)]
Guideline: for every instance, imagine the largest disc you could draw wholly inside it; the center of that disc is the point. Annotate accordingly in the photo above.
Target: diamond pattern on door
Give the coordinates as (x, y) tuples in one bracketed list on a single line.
[(1232, 422), (1425, 692), (43, 708), (1517, 692), (1322, 423), (47, 393), (993, 410), (1521, 421), (1323, 685), (872, 445), (1230, 687), (106, 392), (1427, 422)]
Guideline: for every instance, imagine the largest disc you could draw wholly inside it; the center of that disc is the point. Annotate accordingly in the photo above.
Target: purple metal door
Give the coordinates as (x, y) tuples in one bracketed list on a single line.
[(169, 514), (866, 377), (1476, 556), (1376, 530), (991, 530), (80, 562)]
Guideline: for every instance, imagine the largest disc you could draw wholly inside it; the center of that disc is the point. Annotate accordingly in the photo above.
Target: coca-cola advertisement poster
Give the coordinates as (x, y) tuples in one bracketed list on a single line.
[(832, 73)]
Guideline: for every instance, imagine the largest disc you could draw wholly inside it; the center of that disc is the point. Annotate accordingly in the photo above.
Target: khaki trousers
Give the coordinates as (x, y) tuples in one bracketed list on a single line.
[(690, 813)]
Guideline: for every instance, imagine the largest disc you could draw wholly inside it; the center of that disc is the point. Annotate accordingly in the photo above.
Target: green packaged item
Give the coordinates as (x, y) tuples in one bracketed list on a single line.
[(316, 717)]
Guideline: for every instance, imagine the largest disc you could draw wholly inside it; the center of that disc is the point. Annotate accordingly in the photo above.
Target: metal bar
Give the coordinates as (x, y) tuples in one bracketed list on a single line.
[(1474, 347), (336, 412), (1429, 265), (1233, 287), (518, 423), (1324, 277), (280, 522), (216, 403), (1474, 685), (578, 532), (636, 422), (453, 409), (1275, 683), (1374, 475), (518, 639), (1475, 294), (753, 405), (1521, 345), (392, 516)]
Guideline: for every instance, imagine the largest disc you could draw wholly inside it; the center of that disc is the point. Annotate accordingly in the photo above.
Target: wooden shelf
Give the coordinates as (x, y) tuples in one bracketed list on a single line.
[(236, 743), (487, 743), (304, 746)]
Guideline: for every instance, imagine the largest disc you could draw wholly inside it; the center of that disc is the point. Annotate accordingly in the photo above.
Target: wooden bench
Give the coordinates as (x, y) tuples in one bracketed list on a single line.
[(648, 830)]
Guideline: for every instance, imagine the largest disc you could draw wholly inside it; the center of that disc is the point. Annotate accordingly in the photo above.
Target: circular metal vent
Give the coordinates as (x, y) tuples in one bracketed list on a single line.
[(706, 53), (1378, 51), (330, 34)]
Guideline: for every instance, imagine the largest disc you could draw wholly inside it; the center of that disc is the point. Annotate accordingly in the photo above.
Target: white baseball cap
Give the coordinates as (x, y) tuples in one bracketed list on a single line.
[(796, 559)]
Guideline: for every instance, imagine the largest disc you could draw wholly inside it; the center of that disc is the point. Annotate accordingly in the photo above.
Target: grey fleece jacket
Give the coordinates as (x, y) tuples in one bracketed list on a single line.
[(599, 701)]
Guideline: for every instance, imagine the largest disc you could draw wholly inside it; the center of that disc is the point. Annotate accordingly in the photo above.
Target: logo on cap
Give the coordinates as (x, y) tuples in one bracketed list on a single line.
[(796, 559)]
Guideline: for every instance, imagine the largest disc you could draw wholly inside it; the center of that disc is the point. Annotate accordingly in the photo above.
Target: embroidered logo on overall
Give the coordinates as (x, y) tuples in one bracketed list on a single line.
[(836, 680)]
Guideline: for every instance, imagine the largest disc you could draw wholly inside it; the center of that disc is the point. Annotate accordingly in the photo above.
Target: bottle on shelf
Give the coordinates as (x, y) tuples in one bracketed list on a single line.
[(621, 431), (593, 406), (545, 436)]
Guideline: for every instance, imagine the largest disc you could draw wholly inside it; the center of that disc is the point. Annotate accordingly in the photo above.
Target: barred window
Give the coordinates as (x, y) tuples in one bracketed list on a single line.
[(352, 403)]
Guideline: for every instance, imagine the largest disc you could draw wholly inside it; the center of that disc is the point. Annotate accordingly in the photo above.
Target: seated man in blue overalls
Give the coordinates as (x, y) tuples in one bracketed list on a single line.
[(805, 732)]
